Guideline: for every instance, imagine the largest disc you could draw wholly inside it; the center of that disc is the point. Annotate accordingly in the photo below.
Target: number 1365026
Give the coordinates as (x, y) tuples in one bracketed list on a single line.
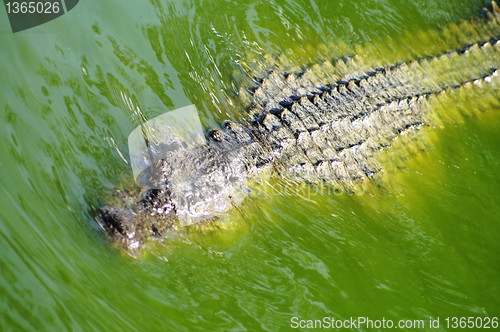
[(38, 7), (472, 322)]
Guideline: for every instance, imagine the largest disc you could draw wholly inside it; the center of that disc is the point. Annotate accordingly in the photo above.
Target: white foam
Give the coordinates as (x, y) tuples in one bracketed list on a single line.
[(181, 125)]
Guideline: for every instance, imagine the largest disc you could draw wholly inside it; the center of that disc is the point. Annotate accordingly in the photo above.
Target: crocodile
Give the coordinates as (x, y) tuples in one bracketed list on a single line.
[(326, 123)]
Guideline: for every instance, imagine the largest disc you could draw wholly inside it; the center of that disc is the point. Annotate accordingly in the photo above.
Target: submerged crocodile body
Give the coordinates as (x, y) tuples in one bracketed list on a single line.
[(326, 124)]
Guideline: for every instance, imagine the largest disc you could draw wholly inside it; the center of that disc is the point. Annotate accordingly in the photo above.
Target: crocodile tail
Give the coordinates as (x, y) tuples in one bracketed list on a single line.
[(330, 120)]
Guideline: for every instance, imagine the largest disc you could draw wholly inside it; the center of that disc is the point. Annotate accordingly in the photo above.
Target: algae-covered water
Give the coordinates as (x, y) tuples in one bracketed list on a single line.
[(427, 244)]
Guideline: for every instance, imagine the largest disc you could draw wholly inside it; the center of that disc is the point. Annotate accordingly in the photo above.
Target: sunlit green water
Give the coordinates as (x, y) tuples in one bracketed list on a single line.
[(426, 245)]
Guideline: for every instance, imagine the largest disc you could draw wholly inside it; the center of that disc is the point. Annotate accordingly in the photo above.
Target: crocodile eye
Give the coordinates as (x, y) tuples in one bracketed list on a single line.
[(229, 125), (215, 135)]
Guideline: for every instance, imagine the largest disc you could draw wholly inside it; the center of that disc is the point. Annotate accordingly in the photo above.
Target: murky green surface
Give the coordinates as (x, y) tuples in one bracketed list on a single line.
[(425, 245)]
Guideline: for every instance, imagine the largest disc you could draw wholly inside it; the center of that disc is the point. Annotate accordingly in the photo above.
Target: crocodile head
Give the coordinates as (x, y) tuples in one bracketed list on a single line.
[(121, 225), (189, 186)]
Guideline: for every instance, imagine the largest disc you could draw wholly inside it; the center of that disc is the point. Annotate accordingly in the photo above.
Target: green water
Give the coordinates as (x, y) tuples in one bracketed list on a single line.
[(425, 245)]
